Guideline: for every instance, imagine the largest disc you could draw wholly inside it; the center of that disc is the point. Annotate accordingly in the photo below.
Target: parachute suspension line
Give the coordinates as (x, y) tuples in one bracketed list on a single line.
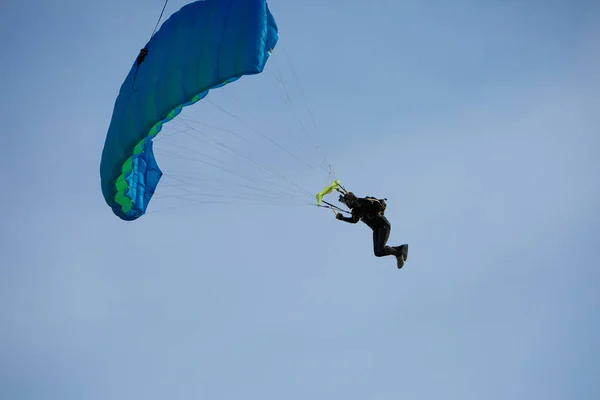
[(194, 202), (265, 191), (144, 52), (272, 193), (237, 196), (323, 159), (219, 167), (210, 198), (260, 195), (257, 164), (290, 108), (212, 186), (207, 185), (221, 146), (261, 191), (301, 151), (272, 141), (324, 162), (159, 18), (287, 101), (310, 113), (332, 207)]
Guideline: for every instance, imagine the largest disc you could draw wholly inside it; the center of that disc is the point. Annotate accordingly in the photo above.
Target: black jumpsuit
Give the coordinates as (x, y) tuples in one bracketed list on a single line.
[(367, 211)]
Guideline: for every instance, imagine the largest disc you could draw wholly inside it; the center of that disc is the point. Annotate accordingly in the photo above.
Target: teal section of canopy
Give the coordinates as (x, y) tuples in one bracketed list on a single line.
[(203, 46)]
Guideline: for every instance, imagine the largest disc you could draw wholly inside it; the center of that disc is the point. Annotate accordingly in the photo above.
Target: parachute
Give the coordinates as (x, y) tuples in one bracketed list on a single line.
[(203, 46)]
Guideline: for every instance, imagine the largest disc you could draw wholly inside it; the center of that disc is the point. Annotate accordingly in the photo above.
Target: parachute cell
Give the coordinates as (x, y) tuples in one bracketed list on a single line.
[(203, 46)]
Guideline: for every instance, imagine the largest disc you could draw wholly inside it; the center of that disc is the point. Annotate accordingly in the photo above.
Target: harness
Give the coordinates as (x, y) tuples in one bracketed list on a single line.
[(381, 212)]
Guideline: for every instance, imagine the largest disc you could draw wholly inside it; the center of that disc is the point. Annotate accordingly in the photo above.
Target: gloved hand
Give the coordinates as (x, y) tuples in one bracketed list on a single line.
[(339, 216)]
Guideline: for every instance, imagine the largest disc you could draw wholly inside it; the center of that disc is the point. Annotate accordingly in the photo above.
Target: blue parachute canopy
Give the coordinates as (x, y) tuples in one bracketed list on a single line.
[(203, 46)]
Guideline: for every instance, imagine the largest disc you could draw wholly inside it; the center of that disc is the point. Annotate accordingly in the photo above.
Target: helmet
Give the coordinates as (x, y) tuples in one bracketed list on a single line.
[(347, 198)]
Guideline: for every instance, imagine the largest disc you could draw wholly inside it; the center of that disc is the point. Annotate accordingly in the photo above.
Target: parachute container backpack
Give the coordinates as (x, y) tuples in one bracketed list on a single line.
[(203, 46)]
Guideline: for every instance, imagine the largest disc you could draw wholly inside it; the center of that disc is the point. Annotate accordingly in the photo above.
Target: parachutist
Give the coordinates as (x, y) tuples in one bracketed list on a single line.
[(371, 211)]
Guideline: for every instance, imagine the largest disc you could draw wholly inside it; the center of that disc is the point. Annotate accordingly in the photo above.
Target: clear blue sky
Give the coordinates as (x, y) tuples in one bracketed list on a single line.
[(478, 120)]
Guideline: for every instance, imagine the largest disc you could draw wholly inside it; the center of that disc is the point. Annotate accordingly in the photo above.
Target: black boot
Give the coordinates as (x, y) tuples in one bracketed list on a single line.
[(402, 255)]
